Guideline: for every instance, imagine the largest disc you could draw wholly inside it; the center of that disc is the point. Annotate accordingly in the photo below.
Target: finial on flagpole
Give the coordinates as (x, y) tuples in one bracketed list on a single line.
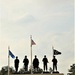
[(8, 47), (31, 36), (52, 47)]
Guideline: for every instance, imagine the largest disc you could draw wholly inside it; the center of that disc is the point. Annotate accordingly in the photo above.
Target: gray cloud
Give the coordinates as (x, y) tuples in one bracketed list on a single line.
[(25, 19)]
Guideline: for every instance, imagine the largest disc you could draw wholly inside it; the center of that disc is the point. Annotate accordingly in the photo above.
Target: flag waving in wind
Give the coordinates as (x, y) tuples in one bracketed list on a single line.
[(32, 42), (11, 54), (56, 52)]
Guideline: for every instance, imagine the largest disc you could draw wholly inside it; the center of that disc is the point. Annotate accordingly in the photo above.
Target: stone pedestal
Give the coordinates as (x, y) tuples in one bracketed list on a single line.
[(40, 74)]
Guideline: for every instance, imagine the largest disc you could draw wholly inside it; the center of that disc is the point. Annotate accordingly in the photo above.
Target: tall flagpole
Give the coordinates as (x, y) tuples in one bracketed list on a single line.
[(53, 53), (31, 52), (53, 50), (8, 60)]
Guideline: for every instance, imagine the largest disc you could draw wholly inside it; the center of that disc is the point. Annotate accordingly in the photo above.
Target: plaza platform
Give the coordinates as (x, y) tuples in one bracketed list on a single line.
[(39, 74)]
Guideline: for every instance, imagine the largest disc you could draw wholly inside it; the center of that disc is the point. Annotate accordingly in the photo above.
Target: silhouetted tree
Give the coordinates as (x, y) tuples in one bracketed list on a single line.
[(22, 70), (39, 70), (72, 70), (0, 73), (50, 70), (4, 70)]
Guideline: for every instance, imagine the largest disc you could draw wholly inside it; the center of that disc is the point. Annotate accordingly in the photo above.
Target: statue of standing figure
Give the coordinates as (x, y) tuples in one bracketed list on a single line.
[(26, 62), (16, 63), (36, 63), (54, 60), (45, 61)]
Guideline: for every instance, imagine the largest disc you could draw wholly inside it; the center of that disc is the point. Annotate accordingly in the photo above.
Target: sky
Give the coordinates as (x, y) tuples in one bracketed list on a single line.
[(50, 22)]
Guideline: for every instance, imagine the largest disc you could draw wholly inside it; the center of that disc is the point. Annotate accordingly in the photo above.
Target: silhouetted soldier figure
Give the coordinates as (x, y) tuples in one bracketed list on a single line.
[(16, 63), (36, 63), (26, 62), (54, 63), (45, 61)]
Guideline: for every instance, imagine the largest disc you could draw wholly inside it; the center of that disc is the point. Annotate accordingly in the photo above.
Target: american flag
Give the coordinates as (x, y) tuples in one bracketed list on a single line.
[(32, 43)]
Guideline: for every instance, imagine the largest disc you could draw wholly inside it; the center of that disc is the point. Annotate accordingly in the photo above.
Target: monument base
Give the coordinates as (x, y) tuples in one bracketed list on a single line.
[(40, 74), (56, 72)]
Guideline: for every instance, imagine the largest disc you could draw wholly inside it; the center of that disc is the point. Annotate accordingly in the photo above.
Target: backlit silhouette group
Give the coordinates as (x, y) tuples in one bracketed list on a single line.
[(35, 63)]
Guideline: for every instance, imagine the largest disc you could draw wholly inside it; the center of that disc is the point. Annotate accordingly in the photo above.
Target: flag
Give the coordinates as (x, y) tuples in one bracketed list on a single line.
[(56, 52), (32, 42), (11, 54)]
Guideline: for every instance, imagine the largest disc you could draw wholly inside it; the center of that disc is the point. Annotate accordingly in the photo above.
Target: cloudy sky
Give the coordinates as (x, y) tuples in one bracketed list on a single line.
[(50, 22)]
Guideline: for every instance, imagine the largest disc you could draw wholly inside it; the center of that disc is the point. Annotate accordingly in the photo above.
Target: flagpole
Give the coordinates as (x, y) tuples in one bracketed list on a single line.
[(8, 60), (53, 50), (31, 52), (53, 53)]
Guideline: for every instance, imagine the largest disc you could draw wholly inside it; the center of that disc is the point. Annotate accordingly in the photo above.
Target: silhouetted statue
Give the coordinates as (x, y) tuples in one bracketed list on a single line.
[(36, 63), (26, 62), (45, 61), (54, 63), (16, 63)]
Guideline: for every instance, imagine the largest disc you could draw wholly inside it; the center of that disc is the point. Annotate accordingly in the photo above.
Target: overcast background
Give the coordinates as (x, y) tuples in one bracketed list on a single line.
[(50, 22)]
